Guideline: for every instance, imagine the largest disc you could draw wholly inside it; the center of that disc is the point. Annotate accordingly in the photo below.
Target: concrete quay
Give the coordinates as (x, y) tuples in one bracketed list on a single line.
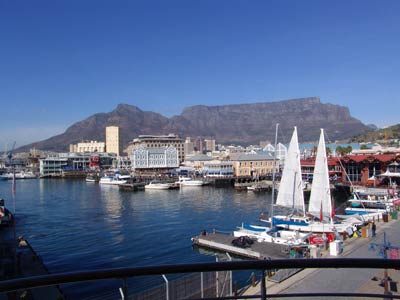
[(343, 280), (18, 259)]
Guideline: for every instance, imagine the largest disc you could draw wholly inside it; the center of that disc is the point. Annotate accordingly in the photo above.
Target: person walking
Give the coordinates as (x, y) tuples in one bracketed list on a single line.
[(373, 229)]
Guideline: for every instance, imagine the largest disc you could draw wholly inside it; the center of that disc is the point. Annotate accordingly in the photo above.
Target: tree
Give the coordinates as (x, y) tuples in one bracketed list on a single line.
[(364, 147), (328, 151), (341, 151)]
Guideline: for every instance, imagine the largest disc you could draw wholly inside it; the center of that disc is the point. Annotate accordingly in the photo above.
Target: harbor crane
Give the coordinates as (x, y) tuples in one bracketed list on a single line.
[(9, 154)]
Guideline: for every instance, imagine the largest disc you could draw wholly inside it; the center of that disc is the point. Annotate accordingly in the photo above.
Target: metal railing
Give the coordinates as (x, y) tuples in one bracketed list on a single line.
[(261, 265)]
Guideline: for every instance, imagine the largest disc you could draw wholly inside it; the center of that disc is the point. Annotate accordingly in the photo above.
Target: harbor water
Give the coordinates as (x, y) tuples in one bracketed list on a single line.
[(74, 225)]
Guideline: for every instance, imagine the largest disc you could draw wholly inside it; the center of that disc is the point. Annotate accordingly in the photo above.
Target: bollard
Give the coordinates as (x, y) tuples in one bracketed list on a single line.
[(235, 288), (253, 279)]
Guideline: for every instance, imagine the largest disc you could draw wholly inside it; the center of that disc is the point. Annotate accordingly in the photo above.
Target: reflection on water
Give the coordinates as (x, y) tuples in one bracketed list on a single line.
[(78, 226)]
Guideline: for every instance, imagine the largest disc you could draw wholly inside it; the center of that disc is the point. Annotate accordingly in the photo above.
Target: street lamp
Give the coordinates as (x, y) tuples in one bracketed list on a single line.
[(383, 249)]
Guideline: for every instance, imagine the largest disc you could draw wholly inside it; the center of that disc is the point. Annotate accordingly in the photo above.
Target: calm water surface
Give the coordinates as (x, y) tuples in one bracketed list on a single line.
[(75, 226)]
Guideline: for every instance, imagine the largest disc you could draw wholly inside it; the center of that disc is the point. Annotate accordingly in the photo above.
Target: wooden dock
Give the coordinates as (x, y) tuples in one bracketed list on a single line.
[(137, 186), (223, 243)]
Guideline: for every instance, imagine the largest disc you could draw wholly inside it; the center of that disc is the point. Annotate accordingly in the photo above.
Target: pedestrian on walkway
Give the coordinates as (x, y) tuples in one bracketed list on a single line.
[(373, 229)]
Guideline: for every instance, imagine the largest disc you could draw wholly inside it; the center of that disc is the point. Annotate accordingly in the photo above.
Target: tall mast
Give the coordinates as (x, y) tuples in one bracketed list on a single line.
[(273, 173)]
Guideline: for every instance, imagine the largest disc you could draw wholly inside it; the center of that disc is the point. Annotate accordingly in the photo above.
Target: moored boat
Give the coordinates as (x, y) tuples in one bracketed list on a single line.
[(18, 175), (158, 186), (272, 235), (6, 217), (111, 180), (320, 215), (187, 181), (92, 178)]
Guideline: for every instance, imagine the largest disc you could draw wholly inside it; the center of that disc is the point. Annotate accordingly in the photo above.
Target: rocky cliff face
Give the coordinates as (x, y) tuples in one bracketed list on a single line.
[(243, 123)]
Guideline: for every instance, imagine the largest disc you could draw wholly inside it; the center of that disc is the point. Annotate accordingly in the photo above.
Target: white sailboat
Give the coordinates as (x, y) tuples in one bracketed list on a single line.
[(290, 194), (320, 211), (320, 198)]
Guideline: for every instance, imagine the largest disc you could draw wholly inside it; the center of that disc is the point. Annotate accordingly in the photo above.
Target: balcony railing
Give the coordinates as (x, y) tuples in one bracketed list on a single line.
[(263, 266)]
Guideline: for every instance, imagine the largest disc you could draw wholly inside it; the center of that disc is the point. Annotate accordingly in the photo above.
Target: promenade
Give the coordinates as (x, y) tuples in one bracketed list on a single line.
[(343, 280)]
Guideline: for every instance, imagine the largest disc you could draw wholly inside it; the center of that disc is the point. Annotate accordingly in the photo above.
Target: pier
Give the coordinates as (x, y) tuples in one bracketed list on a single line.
[(19, 259), (360, 281), (136, 186), (223, 243)]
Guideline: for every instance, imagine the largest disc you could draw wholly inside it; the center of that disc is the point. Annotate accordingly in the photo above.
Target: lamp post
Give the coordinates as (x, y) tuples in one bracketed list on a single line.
[(383, 252)]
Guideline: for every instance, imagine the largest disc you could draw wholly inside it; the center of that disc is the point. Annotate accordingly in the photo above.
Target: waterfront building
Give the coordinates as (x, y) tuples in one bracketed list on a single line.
[(359, 169), (158, 141), (155, 158), (88, 146), (254, 165), (307, 168), (218, 168), (56, 164), (112, 140), (197, 161), (376, 149)]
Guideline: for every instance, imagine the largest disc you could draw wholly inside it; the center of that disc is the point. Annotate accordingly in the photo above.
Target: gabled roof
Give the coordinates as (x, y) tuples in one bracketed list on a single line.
[(199, 157), (370, 158), (254, 157)]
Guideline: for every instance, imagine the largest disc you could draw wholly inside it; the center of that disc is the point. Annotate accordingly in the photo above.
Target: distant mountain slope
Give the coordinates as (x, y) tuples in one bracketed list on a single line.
[(388, 133), (242, 123)]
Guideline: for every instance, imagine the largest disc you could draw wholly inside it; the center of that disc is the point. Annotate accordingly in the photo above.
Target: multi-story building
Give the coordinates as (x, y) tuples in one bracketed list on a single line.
[(188, 147), (155, 158), (112, 140), (254, 165), (55, 164), (210, 145), (88, 146), (359, 169), (198, 145), (218, 168), (158, 141), (197, 161)]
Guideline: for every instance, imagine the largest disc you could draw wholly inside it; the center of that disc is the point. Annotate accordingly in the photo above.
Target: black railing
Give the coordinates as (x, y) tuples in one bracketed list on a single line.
[(261, 265)]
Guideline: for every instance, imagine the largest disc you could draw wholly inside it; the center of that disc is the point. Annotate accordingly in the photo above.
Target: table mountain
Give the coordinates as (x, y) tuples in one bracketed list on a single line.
[(242, 123)]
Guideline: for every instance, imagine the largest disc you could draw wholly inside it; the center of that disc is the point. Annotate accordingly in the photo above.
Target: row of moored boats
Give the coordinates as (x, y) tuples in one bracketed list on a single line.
[(117, 178), (319, 223)]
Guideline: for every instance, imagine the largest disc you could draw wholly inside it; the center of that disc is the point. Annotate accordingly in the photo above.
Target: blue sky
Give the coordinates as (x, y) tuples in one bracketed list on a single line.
[(62, 61)]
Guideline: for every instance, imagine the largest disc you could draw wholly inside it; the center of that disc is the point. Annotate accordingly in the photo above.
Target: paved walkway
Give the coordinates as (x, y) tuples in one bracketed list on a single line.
[(343, 280)]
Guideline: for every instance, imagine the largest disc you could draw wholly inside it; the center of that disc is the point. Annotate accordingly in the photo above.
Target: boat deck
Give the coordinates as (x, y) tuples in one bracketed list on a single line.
[(223, 242)]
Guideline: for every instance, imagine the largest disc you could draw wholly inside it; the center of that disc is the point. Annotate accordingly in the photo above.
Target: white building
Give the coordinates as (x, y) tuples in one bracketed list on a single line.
[(88, 146), (210, 145), (218, 168), (112, 139), (188, 147), (155, 158), (158, 142)]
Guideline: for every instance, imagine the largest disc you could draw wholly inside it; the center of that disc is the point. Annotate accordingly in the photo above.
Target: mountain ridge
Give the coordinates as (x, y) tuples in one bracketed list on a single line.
[(234, 123)]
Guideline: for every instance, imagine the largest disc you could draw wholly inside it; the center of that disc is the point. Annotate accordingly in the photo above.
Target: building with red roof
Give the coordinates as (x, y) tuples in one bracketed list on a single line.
[(357, 169)]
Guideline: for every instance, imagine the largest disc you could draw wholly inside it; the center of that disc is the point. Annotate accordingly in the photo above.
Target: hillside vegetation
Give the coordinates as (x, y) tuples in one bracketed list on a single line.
[(381, 135)]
